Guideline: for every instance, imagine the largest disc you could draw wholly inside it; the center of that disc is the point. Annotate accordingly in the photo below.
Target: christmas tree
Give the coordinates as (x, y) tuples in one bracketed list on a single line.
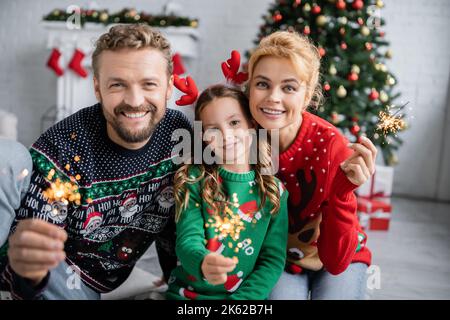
[(357, 86)]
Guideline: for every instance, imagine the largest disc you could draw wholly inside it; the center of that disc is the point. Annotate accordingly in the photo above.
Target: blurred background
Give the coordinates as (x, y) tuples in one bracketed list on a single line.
[(409, 230)]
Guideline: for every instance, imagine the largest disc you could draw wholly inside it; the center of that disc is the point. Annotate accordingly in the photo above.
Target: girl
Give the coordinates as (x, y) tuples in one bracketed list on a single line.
[(231, 219), (326, 253)]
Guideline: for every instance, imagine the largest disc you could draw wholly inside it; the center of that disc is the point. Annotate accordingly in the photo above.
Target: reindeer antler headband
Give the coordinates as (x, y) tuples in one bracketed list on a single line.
[(230, 70)]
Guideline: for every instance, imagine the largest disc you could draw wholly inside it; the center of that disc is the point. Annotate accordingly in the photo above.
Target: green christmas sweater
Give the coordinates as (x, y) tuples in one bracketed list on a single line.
[(260, 248)]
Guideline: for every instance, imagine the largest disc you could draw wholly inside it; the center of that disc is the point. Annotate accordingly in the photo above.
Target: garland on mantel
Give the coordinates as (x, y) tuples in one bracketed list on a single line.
[(124, 16)]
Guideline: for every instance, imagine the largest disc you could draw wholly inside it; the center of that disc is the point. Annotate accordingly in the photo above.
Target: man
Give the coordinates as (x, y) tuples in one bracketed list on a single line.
[(113, 161)]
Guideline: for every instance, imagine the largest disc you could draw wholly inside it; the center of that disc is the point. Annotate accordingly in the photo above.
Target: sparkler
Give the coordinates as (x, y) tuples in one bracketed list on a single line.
[(229, 225), (61, 192), (391, 122)]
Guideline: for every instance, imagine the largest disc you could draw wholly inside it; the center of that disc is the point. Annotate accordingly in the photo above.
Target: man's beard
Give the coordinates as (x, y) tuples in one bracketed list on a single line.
[(125, 133)]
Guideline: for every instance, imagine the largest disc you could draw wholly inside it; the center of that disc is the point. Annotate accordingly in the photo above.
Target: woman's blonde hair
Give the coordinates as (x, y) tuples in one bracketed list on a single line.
[(132, 36), (303, 55), (211, 190)]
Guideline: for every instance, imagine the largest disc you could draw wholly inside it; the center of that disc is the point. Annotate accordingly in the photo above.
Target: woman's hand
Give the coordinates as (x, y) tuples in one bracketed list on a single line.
[(215, 268), (361, 164)]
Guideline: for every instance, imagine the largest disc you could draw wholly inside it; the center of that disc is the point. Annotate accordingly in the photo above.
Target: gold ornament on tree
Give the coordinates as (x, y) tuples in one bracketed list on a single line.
[(341, 92), (321, 20), (332, 70), (365, 31)]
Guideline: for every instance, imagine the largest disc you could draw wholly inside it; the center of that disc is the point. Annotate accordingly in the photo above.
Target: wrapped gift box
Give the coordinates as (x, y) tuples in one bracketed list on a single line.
[(379, 185), (374, 213)]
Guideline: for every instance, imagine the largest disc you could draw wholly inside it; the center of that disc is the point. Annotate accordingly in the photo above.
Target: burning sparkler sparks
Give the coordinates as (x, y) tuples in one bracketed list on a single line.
[(63, 192), (389, 122), (229, 225)]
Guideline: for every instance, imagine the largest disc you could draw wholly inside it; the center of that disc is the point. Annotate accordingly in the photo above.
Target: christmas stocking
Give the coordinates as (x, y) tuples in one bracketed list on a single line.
[(178, 67), (75, 63), (52, 62)]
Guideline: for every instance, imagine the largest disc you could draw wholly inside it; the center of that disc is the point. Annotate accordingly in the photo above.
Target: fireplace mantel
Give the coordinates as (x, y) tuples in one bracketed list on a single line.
[(75, 92)]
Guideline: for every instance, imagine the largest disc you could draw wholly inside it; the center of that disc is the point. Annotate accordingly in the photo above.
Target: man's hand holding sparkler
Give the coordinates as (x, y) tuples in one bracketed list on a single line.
[(35, 248), (215, 268)]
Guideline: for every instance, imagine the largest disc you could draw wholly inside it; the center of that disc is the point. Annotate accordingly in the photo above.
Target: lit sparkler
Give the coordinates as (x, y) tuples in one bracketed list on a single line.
[(61, 192), (229, 225), (389, 122)]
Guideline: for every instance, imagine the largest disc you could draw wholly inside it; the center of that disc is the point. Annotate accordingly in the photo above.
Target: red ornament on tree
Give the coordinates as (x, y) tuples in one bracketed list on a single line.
[(368, 46), (326, 86), (352, 76), (297, 3), (316, 9), (355, 129), (277, 16), (306, 30), (357, 4), (343, 46), (340, 4), (374, 95), (321, 51)]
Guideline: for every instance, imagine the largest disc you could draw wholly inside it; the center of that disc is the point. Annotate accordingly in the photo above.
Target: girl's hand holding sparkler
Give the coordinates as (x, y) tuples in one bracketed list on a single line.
[(215, 268), (361, 164), (35, 248)]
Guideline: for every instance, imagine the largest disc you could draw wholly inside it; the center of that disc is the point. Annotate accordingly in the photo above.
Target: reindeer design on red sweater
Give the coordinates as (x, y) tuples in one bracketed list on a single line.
[(302, 230)]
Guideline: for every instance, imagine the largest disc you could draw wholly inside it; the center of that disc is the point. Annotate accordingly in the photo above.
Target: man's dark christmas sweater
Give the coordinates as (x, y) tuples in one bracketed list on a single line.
[(126, 199)]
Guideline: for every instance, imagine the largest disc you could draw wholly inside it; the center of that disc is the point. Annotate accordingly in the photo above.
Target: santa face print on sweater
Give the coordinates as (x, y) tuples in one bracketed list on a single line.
[(57, 211), (166, 198), (129, 206)]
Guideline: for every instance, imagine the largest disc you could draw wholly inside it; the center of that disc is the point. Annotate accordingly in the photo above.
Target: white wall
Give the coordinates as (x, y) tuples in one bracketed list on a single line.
[(418, 32), (417, 29)]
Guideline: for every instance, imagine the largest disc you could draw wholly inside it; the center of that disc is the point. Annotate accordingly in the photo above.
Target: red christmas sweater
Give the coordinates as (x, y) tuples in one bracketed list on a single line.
[(323, 226)]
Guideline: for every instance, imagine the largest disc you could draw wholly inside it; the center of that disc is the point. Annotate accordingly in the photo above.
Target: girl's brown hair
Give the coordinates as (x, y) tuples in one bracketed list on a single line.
[(211, 190)]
